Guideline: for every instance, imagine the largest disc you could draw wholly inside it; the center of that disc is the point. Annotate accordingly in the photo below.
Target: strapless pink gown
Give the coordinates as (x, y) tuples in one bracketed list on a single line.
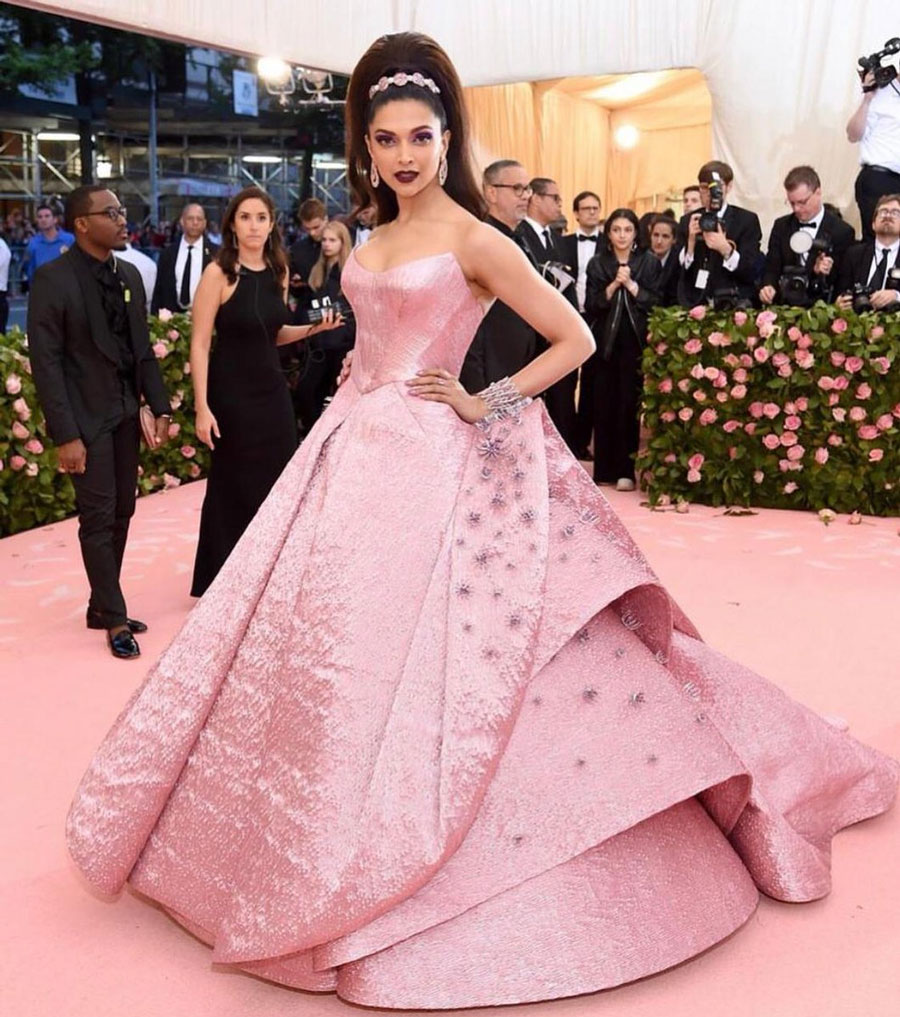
[(436, 736)]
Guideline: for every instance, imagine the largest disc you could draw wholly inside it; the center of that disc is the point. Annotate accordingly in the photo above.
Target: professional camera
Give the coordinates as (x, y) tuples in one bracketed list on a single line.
[(709, 218), (313, 315), (729, 299), (861, 297), (799, 286), (883, 75)]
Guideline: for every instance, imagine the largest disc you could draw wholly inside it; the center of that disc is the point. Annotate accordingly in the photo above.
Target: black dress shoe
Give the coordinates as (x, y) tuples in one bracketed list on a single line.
[(123, 645), (133, 624)]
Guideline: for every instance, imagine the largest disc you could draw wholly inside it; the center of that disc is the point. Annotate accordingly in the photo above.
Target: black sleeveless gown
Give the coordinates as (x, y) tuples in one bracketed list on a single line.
[(249, 398)]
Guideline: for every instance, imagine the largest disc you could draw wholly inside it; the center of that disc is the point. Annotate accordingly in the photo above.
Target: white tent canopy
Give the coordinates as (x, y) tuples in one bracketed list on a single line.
[(781, 74)]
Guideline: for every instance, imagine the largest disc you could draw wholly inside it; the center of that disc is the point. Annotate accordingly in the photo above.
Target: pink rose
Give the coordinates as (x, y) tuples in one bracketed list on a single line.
[(730, 426), (863, 391), (708, 417), (796, 453), (750, 428), (788, 439), (740, 318), (896, 411), (188, 451), (186, 370), (766, 318), (698, 313), (854, 364), (841, 383), (839, 325), (696, 461), (867, 432), (684, 384), (792, 423), (32, 469), (756, 410), (794, 333), (881, 364), (771, 441), (194, 470), (857, 413), (175, 401), (784, 465), (875, 455), (160, 350), (13, 384), (785, 371), (164, 314), (661, 348), (720, 380), (34, 446), (780, 358), (722, 397), (17, 462), (670, 457), (665, 385), (804, 342), (876, 332), (839, 414), (1, 465), (802, 404), (760, 354), (805, 359), (715, 338), (667, 417), (771, 410), (766, 330), (834, 440), (698, 372), (731, 360), (693, 476), (693, 346), (826, 383), (172, 334), (738, 391), (746, 360), (174, 428), (837, 358), (885, 422), (700, 395), (20, 431), (833, 398), (790, 487), (790, 408), (752, 340), (685, 413), (821, 456), (758, 476), (740, 375), (169, 481), (732, 452), (22, 409)]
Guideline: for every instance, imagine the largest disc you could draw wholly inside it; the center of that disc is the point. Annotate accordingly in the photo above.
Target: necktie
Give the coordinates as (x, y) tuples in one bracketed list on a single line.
[(548, 243), (184, 297), (584, 236), (880, 277)]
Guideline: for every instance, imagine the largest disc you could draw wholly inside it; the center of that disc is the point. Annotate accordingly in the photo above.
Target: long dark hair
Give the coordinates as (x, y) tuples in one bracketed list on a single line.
[(273, 252), (410, 52), (620, 213)]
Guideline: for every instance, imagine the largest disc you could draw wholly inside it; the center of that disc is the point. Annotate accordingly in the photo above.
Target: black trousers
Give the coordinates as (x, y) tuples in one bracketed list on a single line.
[(319, 372), (617, 405), (4, 311), (871, 184), (584, 423), (560, 402), (105, 495)]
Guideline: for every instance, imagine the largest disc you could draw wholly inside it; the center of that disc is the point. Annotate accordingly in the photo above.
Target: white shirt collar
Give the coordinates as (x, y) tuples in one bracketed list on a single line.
[(588, 233), (879, 247), (536, 226), (816, 219)]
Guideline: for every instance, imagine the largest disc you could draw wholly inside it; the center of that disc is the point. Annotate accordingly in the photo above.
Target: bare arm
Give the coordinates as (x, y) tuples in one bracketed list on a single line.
[(207, 301), (856, 125)]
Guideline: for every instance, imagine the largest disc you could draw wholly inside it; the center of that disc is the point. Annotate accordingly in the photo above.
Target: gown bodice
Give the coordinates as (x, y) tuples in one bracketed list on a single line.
[(416, 315)]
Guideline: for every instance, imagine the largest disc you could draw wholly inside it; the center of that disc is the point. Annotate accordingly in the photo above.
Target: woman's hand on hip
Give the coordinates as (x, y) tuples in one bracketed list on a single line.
[(440, 386)]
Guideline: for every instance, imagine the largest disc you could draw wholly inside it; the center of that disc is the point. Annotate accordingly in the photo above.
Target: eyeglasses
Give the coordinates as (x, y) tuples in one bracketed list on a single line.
[(520, 190), (888, 213), (553, 197), (111, 213)]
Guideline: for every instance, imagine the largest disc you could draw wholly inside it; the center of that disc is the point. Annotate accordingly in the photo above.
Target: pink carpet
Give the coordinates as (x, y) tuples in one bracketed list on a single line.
[(812, 608)]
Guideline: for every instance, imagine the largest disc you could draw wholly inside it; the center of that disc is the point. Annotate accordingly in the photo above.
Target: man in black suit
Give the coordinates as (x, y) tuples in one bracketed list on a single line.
[(875, 264), (181, 264), (663, 244), (535, 229), (804, 195), (504, 342), (720, 259), (92, 363), (577, 250), (304, 253)]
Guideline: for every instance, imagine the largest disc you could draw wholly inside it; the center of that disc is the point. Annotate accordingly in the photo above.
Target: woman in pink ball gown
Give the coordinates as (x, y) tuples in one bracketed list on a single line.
[(436, 736)]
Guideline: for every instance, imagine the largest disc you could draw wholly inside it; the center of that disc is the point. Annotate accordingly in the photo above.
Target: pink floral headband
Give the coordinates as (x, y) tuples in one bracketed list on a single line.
[(402, 78)]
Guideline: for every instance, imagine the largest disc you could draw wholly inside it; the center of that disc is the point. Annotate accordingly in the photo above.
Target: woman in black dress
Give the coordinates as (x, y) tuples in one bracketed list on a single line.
[(243, 405), (620, 290)]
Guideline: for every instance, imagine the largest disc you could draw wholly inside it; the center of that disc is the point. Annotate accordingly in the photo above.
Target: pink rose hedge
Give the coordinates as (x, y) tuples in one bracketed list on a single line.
[(32, 490), (807, 409)]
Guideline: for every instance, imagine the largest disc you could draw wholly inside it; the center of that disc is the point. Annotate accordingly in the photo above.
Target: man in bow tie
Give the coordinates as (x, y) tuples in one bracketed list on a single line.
[(808, 214)]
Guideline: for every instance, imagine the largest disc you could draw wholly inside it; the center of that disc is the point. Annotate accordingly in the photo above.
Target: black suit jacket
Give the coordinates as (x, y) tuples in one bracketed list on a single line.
[(165, 292), (667, 282), (74, 357), (780, 255), (610, 315), (504, 342), (742, 228), (856, 266)]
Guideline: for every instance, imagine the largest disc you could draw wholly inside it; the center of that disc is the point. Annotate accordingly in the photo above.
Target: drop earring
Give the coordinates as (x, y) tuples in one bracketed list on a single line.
[(373, 175), (442, 171)]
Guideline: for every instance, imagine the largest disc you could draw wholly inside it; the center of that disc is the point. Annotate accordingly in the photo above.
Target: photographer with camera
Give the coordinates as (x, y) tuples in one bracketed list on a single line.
[(870, 276), (806, 248), (718, 260), (876, 125)]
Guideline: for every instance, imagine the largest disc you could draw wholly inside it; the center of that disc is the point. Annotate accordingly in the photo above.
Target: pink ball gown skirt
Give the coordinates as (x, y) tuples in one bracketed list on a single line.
[(437, 737)]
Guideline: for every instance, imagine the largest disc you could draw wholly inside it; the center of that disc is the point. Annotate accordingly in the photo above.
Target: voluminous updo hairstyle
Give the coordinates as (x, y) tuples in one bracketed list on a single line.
[(273, 252), (409, 52)]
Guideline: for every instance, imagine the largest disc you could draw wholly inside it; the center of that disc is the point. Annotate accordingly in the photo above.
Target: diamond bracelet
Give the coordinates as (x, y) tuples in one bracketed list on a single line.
[(503, 400)]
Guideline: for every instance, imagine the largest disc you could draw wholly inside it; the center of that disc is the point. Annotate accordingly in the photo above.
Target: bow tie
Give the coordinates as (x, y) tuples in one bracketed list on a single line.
[(593, 239), (806, 225)]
